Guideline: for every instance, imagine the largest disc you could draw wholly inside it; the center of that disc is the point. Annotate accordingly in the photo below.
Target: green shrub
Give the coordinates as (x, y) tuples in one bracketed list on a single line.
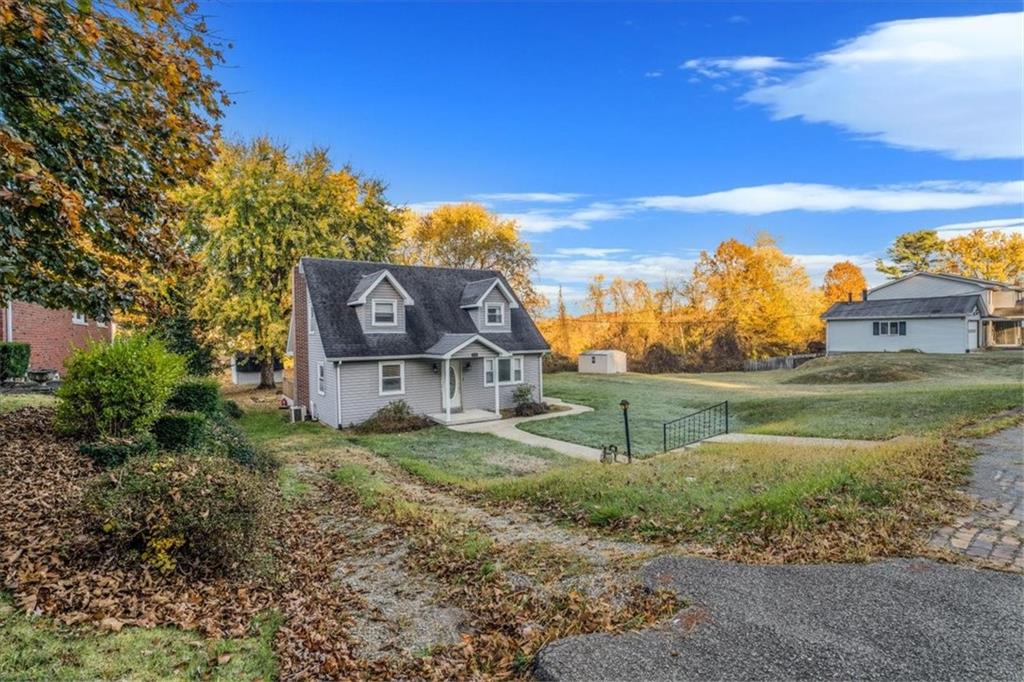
[(228, 440), (13, 360), (178, 431), (187, 512), (196, 394), (395, 417), (116, 390), (232, 409), (115, 452), (525, 405)]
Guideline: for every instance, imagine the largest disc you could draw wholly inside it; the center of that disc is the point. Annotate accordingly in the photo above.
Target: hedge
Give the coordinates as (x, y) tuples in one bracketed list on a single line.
[(14, 358), (196, 394), (179, 431)]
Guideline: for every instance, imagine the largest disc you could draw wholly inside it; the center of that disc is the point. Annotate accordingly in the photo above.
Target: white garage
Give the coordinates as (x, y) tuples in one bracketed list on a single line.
[(602, 362)]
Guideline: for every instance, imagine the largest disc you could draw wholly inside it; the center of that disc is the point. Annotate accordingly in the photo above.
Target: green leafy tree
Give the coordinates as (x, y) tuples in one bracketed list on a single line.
[(255, 215), (921, 251), (105, 108)]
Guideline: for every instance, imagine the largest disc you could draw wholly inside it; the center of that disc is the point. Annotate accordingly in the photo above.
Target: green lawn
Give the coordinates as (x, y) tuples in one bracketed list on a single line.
[(38, 649), (819, 399), (9, 403)]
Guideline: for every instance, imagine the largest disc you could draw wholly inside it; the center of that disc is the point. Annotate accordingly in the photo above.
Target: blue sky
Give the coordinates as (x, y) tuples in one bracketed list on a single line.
[(625, 138)]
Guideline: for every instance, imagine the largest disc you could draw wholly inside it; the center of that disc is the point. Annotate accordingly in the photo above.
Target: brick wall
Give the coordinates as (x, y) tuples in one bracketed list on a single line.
[(52, 334), (301, 338)]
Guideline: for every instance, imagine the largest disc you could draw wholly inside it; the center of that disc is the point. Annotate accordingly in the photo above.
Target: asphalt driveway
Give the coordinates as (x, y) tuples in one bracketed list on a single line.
[(894, 619)]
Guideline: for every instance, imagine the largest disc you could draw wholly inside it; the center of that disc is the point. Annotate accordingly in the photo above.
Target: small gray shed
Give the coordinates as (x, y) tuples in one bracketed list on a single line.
[(602, 362)]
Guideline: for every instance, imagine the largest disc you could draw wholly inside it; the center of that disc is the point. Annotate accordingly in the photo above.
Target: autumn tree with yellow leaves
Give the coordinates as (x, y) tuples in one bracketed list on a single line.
[(469, 236), (844, 281)]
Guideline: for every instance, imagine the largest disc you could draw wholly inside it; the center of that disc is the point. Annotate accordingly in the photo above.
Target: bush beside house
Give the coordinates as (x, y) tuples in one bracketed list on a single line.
[(14, 359)]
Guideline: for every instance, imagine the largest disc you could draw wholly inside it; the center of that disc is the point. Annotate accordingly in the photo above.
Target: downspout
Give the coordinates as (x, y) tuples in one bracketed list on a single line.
[(9, 321), (337, 382)]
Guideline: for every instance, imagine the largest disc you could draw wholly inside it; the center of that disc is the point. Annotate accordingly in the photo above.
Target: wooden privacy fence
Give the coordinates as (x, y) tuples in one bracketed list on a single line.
[(785, 362)]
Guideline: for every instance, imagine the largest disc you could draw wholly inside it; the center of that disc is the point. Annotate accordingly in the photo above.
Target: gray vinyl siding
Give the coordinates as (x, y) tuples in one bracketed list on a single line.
[(382, 292), (476, 395), (323, 407), (479, 314), (360, 389), (929, 335), (476, 347)]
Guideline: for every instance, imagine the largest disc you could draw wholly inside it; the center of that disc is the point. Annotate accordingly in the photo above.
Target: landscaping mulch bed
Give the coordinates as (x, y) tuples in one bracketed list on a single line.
[(55, 565)]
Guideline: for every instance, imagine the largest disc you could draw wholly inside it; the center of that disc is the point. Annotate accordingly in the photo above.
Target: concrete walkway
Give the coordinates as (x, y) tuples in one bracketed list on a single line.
[(793, 440), (506, 428)]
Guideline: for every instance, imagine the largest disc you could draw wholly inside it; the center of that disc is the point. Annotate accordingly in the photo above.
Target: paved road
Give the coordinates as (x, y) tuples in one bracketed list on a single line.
[(895, 619)]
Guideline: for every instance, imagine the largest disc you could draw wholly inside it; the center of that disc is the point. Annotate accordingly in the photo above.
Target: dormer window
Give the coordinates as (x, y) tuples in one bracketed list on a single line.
[(384, 314), (494, 314)]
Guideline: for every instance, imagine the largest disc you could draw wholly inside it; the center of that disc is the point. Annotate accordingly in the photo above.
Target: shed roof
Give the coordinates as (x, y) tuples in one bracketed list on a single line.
[(943, 306), (437, 310)]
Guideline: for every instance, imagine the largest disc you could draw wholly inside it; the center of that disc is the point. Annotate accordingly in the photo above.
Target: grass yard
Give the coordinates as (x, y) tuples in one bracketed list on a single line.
[(38, 649), (871, 396), (11, 402)]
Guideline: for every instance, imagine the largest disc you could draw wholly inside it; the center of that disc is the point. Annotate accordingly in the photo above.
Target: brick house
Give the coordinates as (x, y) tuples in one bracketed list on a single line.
[(52, 334)]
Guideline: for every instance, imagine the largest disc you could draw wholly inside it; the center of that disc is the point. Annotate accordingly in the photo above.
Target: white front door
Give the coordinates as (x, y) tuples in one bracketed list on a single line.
[(972, 334), (455, 385)]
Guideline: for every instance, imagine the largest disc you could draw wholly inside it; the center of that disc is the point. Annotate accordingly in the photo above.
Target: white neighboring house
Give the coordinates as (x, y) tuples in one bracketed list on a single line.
[(929, 312), (601, 362)]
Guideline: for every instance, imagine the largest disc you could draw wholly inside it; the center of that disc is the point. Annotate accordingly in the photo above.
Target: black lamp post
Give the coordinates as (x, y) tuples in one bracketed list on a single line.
[(625, 418)]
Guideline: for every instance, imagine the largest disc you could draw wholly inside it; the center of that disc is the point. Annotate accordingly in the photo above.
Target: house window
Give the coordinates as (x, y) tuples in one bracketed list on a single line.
[(889, 328), (310, 318), (495, 314), (510, 370), (77, 318), (321, 384), (384, 313), (392, 378)]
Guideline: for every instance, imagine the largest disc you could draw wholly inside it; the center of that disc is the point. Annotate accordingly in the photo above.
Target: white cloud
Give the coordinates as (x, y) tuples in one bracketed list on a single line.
[(550, 292), (950, 84), (1009, 225), (738, 19), (793, 196), (720, 67), (424, 207), (544, 221), (653, 74), (589, 252), (650, 268), (532, 197)]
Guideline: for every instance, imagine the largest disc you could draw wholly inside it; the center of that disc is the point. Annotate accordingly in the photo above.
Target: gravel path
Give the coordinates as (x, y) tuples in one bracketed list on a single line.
[(894, 619)]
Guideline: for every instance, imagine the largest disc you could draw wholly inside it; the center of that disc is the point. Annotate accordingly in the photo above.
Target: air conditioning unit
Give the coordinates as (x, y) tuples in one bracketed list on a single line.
[(298, 413)]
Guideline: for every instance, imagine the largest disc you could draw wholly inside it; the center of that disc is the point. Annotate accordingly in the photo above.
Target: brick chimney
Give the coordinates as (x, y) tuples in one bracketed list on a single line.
[(301, 318)]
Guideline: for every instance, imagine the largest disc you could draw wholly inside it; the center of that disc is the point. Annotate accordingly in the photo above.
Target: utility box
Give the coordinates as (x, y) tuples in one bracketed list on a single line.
[(602, 362)]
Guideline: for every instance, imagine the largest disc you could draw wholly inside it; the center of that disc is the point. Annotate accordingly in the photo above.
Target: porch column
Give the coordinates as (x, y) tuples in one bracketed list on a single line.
[(497, 389), (447, 391)]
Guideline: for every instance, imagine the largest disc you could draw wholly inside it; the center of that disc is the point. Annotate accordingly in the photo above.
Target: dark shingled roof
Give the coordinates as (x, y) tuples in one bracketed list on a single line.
[(364, 283), (942, 306), (437, 311), (474, 291)]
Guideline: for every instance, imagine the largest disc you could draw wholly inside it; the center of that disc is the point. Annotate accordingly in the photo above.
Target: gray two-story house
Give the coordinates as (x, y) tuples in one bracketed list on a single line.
[(454, 344)]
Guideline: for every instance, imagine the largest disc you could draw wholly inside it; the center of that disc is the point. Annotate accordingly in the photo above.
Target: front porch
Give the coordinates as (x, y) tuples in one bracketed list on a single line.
[(470, 416), (1001, 333)]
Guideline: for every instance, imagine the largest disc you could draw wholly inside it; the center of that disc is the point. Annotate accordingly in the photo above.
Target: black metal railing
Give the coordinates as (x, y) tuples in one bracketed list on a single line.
[(695, 427)]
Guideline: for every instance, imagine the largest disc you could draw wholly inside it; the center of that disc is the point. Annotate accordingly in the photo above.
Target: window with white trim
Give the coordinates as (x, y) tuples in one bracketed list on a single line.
[(391, 377), (384, 313), (888, 328), (77, 318), (510, 370), (321, 382), (494, 314)]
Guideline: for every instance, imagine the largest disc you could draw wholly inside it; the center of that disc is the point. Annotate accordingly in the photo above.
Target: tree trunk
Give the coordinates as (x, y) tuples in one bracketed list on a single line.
[(267, 374)]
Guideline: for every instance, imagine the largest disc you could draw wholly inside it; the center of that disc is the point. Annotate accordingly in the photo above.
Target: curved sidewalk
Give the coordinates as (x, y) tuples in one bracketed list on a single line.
[(506, 428)]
